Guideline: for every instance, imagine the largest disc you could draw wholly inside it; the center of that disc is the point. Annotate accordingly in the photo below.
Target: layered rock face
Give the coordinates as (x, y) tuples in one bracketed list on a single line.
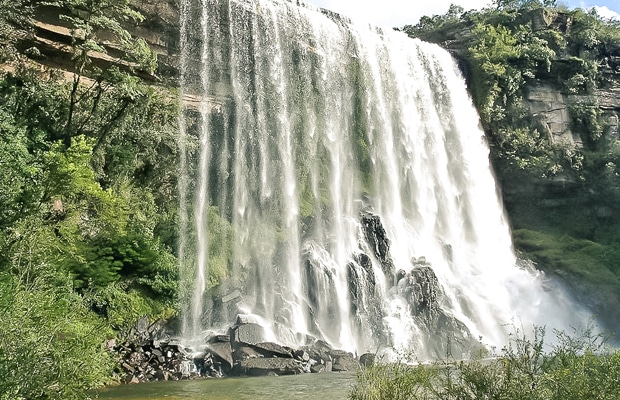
[(49, 42), (550, 109)]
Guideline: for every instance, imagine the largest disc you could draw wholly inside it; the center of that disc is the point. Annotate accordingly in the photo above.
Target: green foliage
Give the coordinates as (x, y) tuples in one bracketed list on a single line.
[(98, 27), (526, 151), (394, 382), (438, 28), (13, 13), (50, 345), (576, 368), (587, 121), (81, 224), (506, 52), (87, 201), (18, 172), (583, 258), (121, 306), (91, 21), (100, 226)]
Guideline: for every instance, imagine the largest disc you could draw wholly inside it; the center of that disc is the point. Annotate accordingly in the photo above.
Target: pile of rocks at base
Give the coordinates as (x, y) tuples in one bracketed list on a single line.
[(243, 351), (143, 358)]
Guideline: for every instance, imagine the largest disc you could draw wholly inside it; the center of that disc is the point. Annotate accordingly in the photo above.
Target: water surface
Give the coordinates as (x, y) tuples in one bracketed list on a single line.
[(332, 386)]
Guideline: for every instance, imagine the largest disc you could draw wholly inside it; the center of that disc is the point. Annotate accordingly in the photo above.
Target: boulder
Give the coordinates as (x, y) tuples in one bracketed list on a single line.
[(301, 355), (243, 319), (343, 361), (250, 333), (421, 289), (320, 350), (223, 351), (218, 338), (270, 349), (242, 352), (317, 368), (269, 366), (367, 360)]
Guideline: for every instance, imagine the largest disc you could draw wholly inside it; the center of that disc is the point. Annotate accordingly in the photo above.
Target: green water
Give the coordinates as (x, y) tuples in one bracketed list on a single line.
[(332, 386)]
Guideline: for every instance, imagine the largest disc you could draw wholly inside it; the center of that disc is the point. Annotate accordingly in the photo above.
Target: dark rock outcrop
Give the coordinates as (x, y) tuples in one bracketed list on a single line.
[(378, 242), (421, 290)]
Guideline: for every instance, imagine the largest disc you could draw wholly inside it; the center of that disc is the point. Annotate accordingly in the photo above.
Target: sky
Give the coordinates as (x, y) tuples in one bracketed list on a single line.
[(396, 13)]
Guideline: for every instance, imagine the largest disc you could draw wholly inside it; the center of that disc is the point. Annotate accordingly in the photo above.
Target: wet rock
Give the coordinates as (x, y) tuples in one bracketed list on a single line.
[(244, 352), (236, 294), (162, 375), (218, 338), (317, 368), (320, 350), (222, 350), (243, 319), (270, 366), (144, 357), (343, 361), (421, 289), (378, 242), (301, 355), (367, 360), (270, 349), (250, 333)]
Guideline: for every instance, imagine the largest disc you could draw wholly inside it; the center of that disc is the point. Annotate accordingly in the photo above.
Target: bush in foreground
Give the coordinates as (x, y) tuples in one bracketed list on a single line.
[(51, 346), (574, 369)]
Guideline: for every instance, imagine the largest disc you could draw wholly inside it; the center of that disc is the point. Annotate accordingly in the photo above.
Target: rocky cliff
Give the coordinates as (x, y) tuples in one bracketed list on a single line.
[(550, 108), (48, 43)]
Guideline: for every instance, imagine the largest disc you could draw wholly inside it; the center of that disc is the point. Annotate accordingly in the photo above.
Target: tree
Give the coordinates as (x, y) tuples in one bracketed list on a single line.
[(12, 13), (91, 21), (520, 4)]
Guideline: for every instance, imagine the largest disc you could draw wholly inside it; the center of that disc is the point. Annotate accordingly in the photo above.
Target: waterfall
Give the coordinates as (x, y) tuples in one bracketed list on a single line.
[(336, 185)]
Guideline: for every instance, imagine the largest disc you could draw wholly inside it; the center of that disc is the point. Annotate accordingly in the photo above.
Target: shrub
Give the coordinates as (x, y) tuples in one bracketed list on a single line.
[(575, 368), (51, 346)]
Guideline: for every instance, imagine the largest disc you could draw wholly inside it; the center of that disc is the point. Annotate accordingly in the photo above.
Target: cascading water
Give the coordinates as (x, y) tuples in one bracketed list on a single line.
[(308, 141)]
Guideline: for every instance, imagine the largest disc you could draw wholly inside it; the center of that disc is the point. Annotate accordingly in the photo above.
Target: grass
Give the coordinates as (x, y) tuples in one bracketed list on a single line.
[(578, 368)]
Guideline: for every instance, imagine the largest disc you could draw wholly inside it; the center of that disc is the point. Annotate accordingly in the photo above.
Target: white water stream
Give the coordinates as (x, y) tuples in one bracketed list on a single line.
[(307, 120)]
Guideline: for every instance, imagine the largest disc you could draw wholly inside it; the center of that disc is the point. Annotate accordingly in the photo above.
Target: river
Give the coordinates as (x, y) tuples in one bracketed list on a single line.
[(333, 386)]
